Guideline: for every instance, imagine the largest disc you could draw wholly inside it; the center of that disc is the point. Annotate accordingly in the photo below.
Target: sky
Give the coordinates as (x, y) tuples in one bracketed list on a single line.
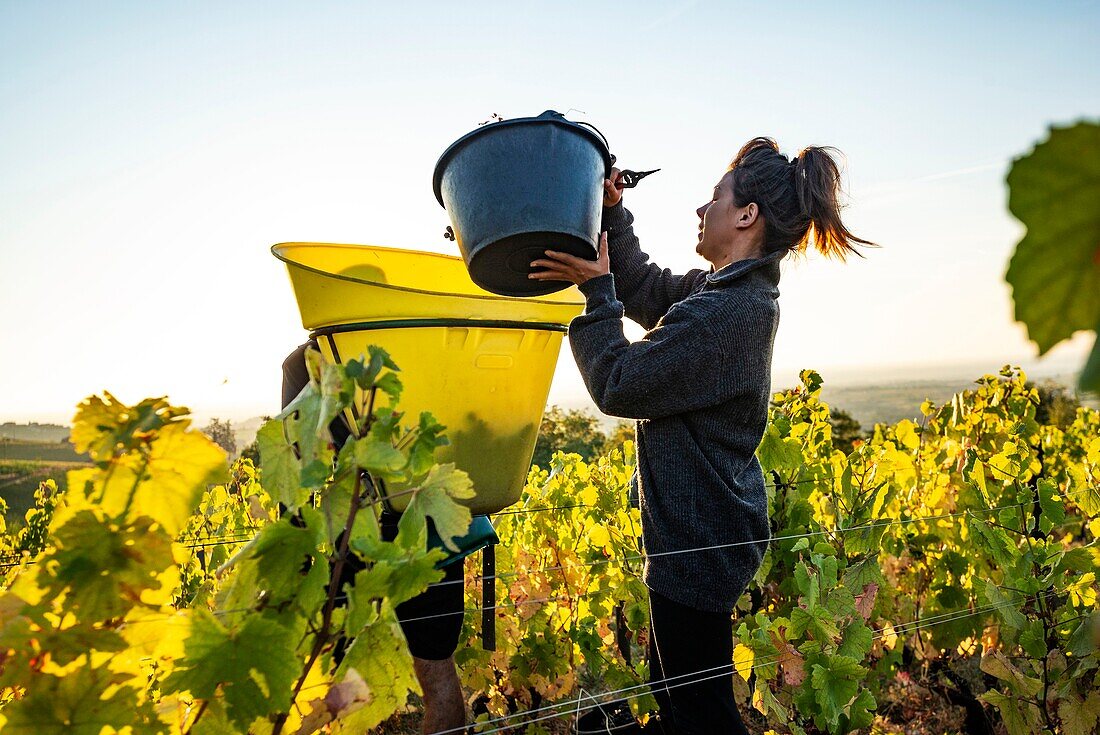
[(151, 153)]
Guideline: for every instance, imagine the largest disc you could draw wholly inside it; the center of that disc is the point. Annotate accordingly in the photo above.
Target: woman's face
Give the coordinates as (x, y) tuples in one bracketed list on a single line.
[(722, 224), (717, 220)]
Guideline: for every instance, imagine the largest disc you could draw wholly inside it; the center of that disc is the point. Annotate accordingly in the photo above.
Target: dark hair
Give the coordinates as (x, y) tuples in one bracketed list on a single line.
[(798, 198)]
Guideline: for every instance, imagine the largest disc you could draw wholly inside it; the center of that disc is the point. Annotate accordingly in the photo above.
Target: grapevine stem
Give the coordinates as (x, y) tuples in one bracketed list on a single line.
[(326, 618), (1046, 658), (1002, 526), (107, 478), (133, 489), (1040, 599)]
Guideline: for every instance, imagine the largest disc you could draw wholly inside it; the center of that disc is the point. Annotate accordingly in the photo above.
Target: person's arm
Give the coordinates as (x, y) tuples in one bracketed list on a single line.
[(679, 366), (647, 290)]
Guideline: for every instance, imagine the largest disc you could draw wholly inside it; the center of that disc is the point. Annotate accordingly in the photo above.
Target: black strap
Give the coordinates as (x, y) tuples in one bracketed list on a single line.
[(488, 598)]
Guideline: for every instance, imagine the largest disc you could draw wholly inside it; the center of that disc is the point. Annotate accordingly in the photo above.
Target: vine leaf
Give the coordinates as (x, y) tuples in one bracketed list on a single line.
[(379, 655), (342, 699), (836, 684), (281, 465), (102, 570), (104, 427), (78, 704), (380, 458), (997, 664), (779, 452), (1055, 272), (148, 461), (742, 660), (181, 465), (1018, 717), (436, 498), (858, 640), (865, 600), (1079, 715), (289, 565), (1053, 509), (861, 713), (237, 661), (393, 575)]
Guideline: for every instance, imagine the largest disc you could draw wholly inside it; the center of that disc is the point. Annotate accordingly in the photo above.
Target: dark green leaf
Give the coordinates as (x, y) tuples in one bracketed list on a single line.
[(1055, 272), (260, 651)]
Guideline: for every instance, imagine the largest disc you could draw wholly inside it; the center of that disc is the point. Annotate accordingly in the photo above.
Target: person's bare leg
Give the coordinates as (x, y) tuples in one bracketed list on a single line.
[(444, 708)]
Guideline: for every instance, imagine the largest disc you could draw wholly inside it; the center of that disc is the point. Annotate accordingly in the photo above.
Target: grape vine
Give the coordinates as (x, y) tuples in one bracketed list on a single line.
[(167, 592)]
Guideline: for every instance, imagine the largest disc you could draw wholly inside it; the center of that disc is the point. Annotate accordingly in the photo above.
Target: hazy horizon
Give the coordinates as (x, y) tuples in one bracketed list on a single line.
[(1064, 367)]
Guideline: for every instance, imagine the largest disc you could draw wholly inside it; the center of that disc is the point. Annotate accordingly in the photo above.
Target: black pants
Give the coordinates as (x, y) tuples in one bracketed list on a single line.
[(691, 669)]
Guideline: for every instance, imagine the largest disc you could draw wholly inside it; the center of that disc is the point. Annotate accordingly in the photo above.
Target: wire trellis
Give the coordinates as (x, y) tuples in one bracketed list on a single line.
[(708, 674), (694, 677), (226, 540)]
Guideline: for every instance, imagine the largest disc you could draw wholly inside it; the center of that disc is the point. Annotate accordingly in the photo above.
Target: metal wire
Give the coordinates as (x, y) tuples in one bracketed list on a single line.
[(723, 670), (642, 557), (239, 536), (790, 537), (530, 573), (577, 702), (608, 561)]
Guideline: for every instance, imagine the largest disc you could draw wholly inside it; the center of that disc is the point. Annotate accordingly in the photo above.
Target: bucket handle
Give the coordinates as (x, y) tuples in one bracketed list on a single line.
[(597, 131), (606, 144)]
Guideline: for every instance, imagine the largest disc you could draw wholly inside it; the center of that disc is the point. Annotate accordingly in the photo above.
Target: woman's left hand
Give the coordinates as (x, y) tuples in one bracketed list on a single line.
[(564, 267)]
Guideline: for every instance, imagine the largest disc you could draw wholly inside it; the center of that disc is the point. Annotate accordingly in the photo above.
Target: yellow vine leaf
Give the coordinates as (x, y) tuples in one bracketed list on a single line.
[(742, 660), (599, 536)]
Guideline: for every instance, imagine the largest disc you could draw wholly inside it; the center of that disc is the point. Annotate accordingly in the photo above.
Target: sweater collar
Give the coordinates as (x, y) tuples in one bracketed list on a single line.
[(767, 265)]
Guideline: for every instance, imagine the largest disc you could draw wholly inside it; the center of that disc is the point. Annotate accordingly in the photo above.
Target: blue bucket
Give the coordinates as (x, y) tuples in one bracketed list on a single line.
[(516, 188)]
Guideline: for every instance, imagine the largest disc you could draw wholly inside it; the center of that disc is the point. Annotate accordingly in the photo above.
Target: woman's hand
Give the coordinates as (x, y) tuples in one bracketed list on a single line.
[(612, 191), (564, 267)]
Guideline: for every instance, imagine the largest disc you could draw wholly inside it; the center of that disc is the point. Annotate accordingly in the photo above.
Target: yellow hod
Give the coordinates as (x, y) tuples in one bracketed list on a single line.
[(480, 362)]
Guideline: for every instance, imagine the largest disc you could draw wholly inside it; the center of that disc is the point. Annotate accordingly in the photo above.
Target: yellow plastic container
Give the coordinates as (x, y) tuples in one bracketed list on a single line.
[(338, 284), (481, 363)]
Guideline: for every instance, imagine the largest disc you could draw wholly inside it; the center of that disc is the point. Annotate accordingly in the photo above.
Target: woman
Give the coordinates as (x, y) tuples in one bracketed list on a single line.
[(698, 384)]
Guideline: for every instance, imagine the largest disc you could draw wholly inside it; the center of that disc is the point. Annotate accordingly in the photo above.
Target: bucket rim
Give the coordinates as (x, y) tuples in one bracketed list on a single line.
[(409, 289), (437, 323), (550, 117)]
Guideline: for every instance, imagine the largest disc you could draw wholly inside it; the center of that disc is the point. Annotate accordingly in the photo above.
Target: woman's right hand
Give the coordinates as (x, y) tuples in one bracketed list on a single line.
[(612, 191)]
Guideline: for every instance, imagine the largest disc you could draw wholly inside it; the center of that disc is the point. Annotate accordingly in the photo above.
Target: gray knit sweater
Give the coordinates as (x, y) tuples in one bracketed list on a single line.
[(698, 384)]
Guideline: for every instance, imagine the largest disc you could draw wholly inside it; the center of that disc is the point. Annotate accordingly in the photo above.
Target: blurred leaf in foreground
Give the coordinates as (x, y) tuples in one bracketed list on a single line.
[(1055, 272)]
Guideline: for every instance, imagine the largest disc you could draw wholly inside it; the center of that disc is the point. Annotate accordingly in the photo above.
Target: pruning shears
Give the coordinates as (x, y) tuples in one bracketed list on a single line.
[(629, 179)]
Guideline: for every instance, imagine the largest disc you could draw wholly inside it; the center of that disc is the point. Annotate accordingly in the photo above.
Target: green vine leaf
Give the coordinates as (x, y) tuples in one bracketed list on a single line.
[(78, 704), (238, 662), (379, 656), (1019, 717), (282, 468), (103, 570), (1055, 272), (438, 498), (836, 684)]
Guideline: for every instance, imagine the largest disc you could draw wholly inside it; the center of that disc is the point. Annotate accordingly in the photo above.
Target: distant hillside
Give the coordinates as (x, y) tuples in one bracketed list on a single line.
[(34, 432), (24, 464), (890, 402), (244, 432), (51, 451), (881, 401)]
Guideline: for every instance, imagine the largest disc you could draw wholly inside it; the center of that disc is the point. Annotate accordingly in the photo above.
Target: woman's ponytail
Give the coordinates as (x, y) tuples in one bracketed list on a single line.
[(799, 199), (817, 186)]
